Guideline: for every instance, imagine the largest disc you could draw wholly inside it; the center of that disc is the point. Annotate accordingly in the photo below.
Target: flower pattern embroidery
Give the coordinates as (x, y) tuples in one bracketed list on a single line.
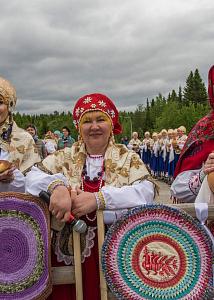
[(77, 112), (202, 132), (112, 113), (109, 167), (66, 165), (102, 103), (123, 172), (93, 105), (87, 100), (79, 160), (135, 162)]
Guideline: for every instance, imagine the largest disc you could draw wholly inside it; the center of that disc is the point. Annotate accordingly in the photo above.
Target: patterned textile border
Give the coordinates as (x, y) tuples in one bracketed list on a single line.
[(158, 252)]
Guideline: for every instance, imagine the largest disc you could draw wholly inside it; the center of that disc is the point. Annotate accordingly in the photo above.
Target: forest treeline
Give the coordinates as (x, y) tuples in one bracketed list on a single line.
[(184, 107)]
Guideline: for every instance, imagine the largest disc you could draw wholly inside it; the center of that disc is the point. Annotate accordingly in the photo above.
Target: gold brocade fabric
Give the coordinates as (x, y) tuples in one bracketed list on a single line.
[(122, 167), (5, 133), (22, 151)]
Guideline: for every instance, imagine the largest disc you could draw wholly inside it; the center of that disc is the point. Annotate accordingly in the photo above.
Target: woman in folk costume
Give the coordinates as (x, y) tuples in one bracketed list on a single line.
[(135, 143), (181, 139), (162, 153), (16, 146), (154, 150), (169, 150), (146, 149), (196, 160), (106, 176), (159, 155)]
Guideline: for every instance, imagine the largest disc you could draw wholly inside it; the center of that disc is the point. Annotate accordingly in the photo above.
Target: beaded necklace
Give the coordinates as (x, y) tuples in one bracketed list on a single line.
[(95, 179)]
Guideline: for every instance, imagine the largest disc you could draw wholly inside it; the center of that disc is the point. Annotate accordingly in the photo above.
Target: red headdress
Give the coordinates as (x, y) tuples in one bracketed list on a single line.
[(200, 141), (94, 102)]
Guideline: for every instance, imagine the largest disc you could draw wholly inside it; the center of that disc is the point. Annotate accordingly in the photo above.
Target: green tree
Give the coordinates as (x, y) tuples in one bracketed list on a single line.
[(195, 90)]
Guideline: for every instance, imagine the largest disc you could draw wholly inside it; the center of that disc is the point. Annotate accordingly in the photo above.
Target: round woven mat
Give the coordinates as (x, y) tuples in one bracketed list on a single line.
[(24, 248), (157, 252)]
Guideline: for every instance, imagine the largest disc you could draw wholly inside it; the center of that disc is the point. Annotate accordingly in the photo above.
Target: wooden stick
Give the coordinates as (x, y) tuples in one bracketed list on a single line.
[(190, 209), (101, 236), (77, 260), (63, 275)]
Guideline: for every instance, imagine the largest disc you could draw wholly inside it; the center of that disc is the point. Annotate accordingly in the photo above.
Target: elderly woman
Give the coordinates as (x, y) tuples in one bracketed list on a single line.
[(16, 146), (105, 175), (134, 143)]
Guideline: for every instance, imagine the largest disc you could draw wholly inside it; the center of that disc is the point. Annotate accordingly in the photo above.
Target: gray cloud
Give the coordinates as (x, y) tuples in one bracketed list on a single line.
[(55, 52)]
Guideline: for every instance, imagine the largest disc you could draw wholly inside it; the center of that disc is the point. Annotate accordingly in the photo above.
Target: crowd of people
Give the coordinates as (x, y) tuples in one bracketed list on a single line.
[(160, 153), (106, 176)]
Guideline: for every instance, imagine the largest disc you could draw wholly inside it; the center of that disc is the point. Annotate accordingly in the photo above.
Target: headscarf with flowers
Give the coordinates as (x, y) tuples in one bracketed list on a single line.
[(98, 102), (20, 145), (200, 142)]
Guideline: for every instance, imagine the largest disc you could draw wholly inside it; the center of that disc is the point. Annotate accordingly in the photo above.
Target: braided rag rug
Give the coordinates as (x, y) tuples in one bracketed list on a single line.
[(25, 266), (157, 252)]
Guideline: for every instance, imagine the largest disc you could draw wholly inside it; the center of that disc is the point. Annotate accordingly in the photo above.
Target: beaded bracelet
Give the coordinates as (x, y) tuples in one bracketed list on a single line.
[(54, 184), (100, 200)]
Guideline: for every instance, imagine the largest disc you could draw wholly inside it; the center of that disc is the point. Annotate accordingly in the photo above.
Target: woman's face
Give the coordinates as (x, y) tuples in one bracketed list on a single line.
[(135, 136), (56, 135), (95, 130), (169, 136), (31, 130), (3, 111), (179, 133), (65, 132)]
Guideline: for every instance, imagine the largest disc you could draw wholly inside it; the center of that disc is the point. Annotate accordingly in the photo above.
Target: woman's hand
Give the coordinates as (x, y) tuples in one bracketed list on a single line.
[(209, 164), (7, 175), (60, 203), (83, 203)]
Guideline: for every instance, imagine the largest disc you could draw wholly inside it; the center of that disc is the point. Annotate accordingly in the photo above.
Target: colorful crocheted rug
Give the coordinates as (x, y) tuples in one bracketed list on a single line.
[(25, 266), (158, 252)]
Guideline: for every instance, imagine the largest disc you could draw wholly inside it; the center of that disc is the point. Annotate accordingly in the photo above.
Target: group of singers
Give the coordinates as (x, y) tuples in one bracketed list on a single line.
[(161, 152)]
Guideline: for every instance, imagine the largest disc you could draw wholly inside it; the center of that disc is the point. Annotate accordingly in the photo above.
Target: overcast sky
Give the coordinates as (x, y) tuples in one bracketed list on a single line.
[(54, 52)]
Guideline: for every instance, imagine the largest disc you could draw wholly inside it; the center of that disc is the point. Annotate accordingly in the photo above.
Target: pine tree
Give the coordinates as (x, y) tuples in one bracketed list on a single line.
[(180, 97), (189, 90), (200, 89), (195, 90)]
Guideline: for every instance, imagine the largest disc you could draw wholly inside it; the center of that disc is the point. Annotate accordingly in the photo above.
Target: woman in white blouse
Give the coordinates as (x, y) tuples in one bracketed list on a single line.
[(105, 175)]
